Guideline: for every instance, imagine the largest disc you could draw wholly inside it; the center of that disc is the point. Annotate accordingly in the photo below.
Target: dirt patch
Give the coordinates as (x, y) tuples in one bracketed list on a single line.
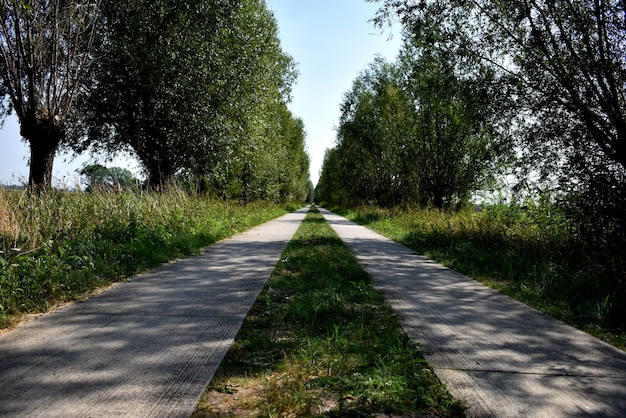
[(230, 401)]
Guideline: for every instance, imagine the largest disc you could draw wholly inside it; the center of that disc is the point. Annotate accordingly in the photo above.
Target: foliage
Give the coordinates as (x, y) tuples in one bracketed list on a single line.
[(270, 164), (198, 90), (57, 246), (321, 340), (194, 90), (566, 73), (100, 178), (329, 187), (375, 117), (45, 50), (457, 135), (416, 132), (532, 253)]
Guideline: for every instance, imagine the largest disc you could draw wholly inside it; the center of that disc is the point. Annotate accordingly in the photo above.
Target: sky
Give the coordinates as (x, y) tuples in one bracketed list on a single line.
[(331, 41)]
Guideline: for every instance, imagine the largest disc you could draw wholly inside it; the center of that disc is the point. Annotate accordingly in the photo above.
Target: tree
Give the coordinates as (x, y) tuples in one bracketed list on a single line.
[(373, 120), (415, 132), (329, 188), (566, 61), (99, 177), (272, 164), (310, 193), (292, 161), (45, 50), (566, 67), (179, 84), (149, 78), (457, 136), (252, 165)]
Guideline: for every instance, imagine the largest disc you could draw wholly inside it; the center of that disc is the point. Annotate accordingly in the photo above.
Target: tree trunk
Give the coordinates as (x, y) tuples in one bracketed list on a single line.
[(159, 172), (438, 199), (44, 139)]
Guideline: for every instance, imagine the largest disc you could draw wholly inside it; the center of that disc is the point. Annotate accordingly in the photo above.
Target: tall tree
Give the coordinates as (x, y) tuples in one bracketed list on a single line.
[(373, 121), (292, 162), (45, 49), (329, 188), (566, 60), (179, 84), (416, 131), (149, 88), (252, 165), (457, 136), (100, 178)]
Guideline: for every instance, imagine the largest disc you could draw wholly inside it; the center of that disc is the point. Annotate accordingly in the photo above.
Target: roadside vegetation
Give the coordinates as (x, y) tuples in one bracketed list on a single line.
[(518, 103), (533, 254), (57, 246), (321, 341)]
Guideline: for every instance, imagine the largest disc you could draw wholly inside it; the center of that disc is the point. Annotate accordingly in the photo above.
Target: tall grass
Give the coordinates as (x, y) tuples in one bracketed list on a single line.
[(531, 253), (56, 246)]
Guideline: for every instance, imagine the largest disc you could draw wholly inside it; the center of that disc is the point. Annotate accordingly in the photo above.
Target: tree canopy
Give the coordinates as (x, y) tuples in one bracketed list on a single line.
[(414, 132), (100, 178), (198, 91), (566, 72), (180, 84), (45, 51)]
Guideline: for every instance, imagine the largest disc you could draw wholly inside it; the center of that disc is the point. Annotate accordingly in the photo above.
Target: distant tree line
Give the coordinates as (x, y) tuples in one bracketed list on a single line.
[(100, 178), (194, 90), (484, 89)]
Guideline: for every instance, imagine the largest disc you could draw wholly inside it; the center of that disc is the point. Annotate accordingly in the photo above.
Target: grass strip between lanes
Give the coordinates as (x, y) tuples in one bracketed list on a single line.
[(321, 341)]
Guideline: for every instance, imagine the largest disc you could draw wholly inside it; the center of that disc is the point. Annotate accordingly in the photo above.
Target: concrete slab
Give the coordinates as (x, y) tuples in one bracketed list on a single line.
[(145, 348), (502, 358)]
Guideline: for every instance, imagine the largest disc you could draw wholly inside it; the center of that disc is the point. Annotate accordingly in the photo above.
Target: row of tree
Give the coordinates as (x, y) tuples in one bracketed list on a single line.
[(486, 88), (198, 90), (414, 132)]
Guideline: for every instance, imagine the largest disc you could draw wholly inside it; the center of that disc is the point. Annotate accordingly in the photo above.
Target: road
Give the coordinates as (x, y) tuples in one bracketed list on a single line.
[(500, 357), (149, 347), (145, 348)]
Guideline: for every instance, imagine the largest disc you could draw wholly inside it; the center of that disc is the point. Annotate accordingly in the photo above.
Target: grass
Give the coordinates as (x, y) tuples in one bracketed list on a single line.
[(531, 254), (58, 246), (321, 341)]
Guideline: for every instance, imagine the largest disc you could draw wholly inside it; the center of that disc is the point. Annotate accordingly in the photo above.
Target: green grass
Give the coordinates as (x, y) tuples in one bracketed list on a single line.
[(531, 254), (321, 341), (58, 246)]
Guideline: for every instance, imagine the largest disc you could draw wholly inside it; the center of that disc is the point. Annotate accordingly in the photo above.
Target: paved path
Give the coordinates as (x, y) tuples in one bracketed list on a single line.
[(500, 357), (147, 347)]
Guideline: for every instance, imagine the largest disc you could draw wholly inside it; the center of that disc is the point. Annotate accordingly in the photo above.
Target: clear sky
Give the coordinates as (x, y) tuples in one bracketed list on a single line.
[(331, 42)]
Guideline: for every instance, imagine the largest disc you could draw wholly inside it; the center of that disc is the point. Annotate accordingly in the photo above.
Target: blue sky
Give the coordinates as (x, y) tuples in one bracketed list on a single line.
[(331, 42)]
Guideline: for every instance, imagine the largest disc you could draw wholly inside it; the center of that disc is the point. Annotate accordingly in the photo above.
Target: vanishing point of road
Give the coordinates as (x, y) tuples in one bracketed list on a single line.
[(149, 347)]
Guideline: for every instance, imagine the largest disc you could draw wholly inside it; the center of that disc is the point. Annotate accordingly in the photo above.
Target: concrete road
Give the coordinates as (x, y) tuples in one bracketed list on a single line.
[(500, 357), (145, 348)]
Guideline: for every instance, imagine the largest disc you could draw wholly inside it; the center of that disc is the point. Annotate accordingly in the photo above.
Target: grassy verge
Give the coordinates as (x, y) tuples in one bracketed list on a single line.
[(59, 246), (320, 341), (532, 255)]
